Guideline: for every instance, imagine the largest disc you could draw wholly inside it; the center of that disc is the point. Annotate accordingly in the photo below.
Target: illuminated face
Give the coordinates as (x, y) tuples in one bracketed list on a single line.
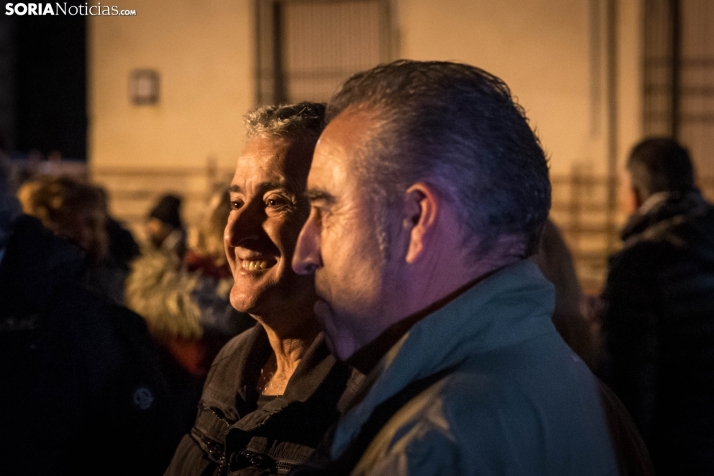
[(339, 242), (267, 212)]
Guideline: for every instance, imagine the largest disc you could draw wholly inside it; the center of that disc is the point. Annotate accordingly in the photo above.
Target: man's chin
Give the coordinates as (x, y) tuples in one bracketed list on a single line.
[(241, 302), (339, 348), (322, 311), (326, 318)]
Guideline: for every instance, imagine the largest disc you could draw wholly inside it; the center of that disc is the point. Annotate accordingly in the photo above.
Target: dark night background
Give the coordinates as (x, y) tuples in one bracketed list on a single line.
[(43, 100)]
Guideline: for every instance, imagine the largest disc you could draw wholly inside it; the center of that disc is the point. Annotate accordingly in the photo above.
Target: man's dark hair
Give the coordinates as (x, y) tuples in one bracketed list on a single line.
[(660, 164), (457, 127), (304, 121)]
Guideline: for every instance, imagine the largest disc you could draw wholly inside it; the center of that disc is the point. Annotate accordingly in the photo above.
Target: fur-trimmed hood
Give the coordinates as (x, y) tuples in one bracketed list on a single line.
[(173, 301)]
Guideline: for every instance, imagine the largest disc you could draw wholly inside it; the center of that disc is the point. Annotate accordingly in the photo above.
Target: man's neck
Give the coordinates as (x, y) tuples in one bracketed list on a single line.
[(289, 345), (366, 358)]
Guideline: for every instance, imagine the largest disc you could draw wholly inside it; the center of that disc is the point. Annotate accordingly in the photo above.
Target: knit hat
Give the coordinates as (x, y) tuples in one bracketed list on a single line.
[(168, 210)]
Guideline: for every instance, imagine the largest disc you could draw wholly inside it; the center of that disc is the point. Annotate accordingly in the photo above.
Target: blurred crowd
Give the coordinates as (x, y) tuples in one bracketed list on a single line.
[(181, 289)]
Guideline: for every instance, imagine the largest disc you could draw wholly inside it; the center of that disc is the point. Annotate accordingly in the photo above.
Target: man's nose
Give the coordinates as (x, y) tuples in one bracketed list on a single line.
[(244, 224), (307, 258)]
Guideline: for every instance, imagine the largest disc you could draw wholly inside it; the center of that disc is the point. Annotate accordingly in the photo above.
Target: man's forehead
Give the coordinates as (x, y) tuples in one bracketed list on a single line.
[(264, 152), (329, 166), (339, 147), (273, 161)]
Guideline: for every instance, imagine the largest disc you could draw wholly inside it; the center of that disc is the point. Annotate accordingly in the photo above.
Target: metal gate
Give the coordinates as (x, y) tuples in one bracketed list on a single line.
[(679, 77), (307, 48)]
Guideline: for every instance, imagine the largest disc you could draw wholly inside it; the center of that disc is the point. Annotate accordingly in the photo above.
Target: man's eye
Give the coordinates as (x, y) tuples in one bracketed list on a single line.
[(319, 213), (236, 204), (277, 202)]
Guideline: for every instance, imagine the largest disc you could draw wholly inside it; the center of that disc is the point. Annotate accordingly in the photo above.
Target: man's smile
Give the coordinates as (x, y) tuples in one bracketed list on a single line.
[(257, 265)]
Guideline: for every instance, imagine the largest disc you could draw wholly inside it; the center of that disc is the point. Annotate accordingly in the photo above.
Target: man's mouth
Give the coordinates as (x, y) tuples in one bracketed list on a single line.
[(254, 265)]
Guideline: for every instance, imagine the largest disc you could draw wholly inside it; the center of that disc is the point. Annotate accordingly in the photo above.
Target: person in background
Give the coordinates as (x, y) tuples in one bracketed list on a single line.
[(556, 263), (658, 330), (123, 248), (76, 211), (81, 389), (164, 227), (274, 390)]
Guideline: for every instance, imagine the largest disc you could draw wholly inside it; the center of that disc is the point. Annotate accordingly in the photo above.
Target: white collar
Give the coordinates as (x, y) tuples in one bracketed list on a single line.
[(652, 201)]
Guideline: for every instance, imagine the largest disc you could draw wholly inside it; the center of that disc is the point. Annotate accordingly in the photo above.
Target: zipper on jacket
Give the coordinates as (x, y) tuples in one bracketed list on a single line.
[(216, 450), (252, 459)]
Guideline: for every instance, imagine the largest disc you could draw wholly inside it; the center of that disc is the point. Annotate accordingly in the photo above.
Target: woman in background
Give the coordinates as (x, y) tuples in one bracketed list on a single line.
[(77, 212)]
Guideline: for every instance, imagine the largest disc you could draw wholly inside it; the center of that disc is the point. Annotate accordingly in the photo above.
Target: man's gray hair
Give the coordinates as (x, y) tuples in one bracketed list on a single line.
[(456, 127), (9, 205), (304, 121)]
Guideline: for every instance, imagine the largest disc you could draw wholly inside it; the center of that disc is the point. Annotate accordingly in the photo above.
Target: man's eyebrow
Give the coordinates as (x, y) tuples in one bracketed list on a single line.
[(314, 195), (264, 186)]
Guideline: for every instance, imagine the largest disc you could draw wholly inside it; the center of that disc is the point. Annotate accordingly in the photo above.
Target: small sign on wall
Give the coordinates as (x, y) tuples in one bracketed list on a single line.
[(144, 87)]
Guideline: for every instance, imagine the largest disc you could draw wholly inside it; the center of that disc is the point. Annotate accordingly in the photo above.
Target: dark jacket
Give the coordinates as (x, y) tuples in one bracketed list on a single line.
[(81, 392), (658, 329), (233, 436)]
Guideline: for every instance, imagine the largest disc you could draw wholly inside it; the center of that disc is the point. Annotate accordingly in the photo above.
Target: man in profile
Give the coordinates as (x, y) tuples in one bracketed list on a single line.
[(429, 190), (659, 303)]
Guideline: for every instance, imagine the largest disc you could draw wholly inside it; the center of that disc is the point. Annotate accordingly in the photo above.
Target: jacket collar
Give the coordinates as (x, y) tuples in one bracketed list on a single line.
[(660, 207), (312, 371), (512, 305)]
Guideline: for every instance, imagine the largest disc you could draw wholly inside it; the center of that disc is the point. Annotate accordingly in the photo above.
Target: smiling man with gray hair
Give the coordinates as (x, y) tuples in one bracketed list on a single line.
[(274, 390), (428, 192)]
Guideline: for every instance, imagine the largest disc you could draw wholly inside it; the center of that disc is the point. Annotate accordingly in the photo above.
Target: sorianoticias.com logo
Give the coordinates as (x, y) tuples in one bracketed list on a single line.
[(62, 9)]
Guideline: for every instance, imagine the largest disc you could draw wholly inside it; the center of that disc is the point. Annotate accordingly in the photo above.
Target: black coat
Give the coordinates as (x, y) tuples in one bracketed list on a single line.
[(659, 331), (81, 391), (234, 436)]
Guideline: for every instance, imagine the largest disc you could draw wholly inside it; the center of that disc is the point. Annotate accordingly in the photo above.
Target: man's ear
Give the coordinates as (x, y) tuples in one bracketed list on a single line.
[(422, 206)]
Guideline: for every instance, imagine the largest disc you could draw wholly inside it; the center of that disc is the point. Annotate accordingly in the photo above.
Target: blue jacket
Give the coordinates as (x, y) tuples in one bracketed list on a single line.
[(519, 401)]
